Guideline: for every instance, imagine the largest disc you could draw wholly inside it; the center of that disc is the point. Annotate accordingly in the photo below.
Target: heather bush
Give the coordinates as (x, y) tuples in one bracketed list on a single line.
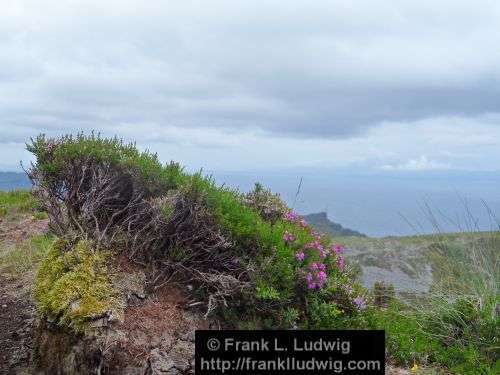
[(249, 253), (269, 205)]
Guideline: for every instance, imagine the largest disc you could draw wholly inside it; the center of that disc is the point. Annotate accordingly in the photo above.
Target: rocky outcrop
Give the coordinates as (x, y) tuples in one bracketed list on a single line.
[(155, 336)]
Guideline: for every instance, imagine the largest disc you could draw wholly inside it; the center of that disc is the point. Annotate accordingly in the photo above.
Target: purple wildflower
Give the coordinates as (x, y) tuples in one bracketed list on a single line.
[(338, 249), (360, 303), (321, 276), (300, 256), (317, 276), (291, 216), (316, 235), (340, 262), (288, 237)]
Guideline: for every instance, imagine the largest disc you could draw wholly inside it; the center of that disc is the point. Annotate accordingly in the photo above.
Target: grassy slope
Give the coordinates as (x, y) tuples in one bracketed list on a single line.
[(21, 245), (408, 342), (416, 263)]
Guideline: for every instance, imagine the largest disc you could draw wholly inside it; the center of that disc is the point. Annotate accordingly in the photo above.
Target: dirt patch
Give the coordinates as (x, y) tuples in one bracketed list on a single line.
[(157, 335), (12, 231), (17, 307), (17, 320)]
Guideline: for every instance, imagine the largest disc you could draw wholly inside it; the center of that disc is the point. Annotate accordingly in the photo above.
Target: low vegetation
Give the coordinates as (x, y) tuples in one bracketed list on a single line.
[(17, 258), (73, 287), (248, 253), (252, 259), (16, 202), (455, 324)]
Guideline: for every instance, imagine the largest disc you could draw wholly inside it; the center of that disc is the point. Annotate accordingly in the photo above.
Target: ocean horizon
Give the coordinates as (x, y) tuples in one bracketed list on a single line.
[(376, 204)]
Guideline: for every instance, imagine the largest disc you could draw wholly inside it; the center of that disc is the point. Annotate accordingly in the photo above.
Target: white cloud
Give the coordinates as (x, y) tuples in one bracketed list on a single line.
[(420, 164)]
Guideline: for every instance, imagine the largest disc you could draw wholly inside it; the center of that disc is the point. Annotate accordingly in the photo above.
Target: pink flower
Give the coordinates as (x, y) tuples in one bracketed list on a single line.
[(302, 223), (291, 216), (316, 235), (340, 262), (317, 266), (288, 237), (316, 279), (338, 249), (323, 253), (300, 256), (321, 276)]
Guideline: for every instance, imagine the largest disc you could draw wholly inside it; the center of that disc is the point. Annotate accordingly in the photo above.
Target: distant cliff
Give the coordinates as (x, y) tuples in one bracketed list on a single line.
[(322, 224)]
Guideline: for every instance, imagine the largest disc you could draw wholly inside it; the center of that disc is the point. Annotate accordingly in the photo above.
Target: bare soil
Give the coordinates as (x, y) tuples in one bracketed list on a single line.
[(17, 307)]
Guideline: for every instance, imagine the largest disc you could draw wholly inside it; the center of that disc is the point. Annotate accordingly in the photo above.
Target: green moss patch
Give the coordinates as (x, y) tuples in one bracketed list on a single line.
[(73, 286)]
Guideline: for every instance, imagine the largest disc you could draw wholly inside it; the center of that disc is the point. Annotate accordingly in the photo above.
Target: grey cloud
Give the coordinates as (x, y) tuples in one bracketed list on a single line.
[(298, 68)]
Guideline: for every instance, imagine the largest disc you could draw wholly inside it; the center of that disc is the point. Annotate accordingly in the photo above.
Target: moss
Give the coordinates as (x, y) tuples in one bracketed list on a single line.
[(73, 286)]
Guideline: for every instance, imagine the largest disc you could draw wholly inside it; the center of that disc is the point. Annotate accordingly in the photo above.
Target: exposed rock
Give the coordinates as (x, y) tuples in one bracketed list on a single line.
[(155, 336)]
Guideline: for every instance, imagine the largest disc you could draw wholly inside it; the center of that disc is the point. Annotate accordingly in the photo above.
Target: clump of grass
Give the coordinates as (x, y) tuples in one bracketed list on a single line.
[(20, 258), (406, 343), (456, 324), (16, 201), (462, 310), (73, 285)]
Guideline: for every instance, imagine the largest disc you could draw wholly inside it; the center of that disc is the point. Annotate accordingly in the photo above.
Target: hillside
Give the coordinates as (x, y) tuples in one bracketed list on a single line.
[(322, 224), (416, 264), (116, 259)]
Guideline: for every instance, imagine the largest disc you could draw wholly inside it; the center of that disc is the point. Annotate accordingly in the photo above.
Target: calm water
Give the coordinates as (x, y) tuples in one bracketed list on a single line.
[(376, 204), (387, 204)]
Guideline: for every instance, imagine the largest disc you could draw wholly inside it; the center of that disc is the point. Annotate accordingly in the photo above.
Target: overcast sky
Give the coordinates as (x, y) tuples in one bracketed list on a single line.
[(235, 85)]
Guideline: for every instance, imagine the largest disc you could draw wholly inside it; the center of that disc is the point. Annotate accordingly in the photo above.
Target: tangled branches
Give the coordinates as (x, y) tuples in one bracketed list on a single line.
[(173, 233), (98, 201)]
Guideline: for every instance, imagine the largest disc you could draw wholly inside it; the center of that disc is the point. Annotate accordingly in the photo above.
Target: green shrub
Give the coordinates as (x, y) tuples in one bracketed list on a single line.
[(55, 156), (406, 342), (453, 335), (234, 246)]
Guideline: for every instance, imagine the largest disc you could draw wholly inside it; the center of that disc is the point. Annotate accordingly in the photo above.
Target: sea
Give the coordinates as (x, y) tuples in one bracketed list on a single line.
[(377, 204)]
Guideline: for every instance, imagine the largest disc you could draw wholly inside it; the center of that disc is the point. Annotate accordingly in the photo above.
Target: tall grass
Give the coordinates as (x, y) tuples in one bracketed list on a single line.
[(16, 201), (462, 309), (17, 258), (459, 318)]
